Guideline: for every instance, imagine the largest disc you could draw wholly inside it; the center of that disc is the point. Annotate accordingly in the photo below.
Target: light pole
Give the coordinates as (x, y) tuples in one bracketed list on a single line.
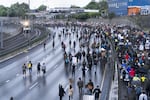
[(1, 35), (29, 4)]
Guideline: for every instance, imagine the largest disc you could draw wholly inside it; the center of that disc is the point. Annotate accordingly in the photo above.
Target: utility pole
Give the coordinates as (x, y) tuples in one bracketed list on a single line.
[(29, 4), (1, 35)]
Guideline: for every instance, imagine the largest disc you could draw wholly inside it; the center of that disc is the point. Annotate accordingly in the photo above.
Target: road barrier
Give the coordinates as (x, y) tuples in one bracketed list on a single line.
[(17, 43)]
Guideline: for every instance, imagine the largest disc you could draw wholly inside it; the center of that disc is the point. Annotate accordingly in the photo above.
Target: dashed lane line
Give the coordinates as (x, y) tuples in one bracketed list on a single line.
[(7, 81), (55, 67), (17, 74), (34, 85)]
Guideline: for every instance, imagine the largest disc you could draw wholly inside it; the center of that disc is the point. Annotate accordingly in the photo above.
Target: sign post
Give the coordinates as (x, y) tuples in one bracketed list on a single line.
[(1, 35)]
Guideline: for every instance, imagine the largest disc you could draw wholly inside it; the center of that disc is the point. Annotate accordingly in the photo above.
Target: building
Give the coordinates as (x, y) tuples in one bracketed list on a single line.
[(119, 7), (138, 2), (124, 7), (133, 10)]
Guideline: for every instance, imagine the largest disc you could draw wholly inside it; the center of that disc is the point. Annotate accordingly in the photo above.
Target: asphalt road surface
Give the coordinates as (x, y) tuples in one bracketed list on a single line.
[(34, 87)]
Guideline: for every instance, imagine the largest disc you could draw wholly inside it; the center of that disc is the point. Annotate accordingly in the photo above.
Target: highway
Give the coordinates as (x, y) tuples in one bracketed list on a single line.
[(34, 87)]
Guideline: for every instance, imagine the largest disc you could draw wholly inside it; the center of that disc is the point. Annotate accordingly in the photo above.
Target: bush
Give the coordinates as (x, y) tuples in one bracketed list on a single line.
[(84, 16)]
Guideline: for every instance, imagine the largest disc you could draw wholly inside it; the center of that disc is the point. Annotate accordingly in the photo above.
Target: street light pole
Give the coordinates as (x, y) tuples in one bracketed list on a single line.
[(29, 4), (1, 35)]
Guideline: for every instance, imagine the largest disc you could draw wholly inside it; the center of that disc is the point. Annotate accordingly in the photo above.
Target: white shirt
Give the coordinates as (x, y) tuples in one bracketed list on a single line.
[(143, 96), (141, 47)]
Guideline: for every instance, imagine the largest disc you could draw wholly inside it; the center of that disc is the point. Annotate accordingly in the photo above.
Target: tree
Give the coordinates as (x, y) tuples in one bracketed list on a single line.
[(103, 8), (111, 15), (15, 10), (92, 5), (42, 8), (18, 9), (103, 5), (3, 11), (74, 6)]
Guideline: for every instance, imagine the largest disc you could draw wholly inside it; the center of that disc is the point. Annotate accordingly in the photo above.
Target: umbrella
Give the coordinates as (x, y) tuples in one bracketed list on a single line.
[(136, 81)]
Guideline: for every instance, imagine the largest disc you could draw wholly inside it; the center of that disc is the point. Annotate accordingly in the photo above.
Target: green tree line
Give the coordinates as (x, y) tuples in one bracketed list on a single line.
[(17, 10), (14, 10)]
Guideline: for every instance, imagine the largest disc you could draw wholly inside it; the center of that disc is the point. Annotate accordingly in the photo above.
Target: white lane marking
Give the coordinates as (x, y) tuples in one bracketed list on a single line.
[(7, 81), (66, 87), (103, 77), (17, 74), (55, 66), (33, 85)]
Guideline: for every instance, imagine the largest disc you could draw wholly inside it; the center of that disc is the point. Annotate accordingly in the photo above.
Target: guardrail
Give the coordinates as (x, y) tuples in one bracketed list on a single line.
[(19, 30), (108, 74), (21, 42)]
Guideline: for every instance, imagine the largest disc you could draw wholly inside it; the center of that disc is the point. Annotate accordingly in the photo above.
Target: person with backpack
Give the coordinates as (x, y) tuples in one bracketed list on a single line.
[(97, 91), (80, 85)]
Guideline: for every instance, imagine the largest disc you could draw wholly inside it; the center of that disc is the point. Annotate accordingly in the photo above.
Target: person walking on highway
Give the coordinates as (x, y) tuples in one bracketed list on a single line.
[(53, 44), (70, 92), (74, 44), (44, 68), (11, 98), (30, 67), (83, 53), (44, 45), (143, 96), (70, 43), (90, 85), (80, 85), (61, 92), (73, 69), (70, 58), (95, 60), (24, 67), (97, 91), (84, 63), (38, 68), (83, 71)]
